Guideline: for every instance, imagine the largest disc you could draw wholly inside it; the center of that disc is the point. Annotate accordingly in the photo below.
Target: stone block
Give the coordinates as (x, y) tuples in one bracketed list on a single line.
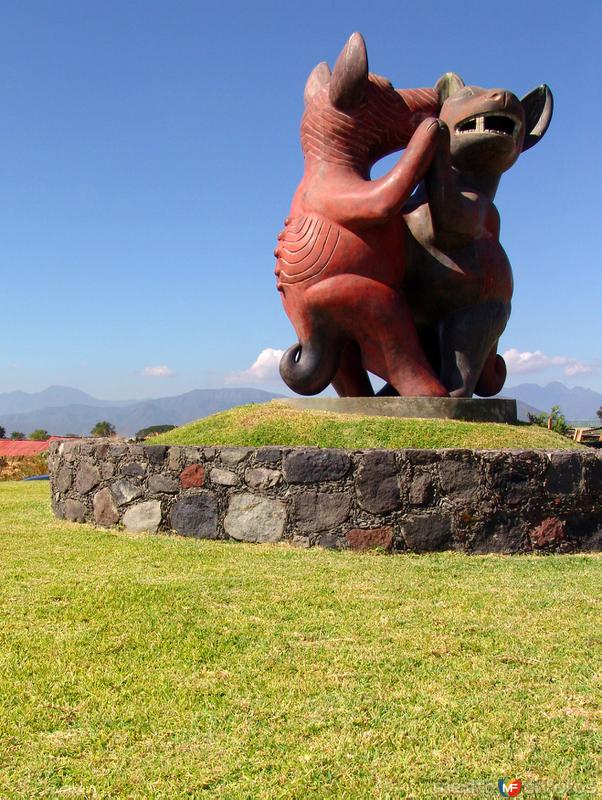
[(64, 479), (107, 470), (116, 450), (192, 476), (362, 539), (134, 470), (376, 482), (319, 511), (315, 465), (329, 541), (155, 453), (424, 533), (124, 491), (251, 518), (163, 484), (174, 459), (143, 517), (459, 478), (193, 454), (262, 478), (510, 477), (421, 491), (105, 510), (593, 542), (268, 455), (195, 515), (564, 473), (86, 478), (417, 457), (74, 510), (498, 536), (551, 531), (231, 456), (594, 473), (224, 477)]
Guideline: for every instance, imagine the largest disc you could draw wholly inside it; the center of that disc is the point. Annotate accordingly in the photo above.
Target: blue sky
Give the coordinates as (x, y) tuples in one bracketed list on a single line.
[(149, 152)]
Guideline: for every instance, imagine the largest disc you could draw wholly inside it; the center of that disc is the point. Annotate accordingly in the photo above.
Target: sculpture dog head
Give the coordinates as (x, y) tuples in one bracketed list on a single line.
[(354, 117), (489, 128)]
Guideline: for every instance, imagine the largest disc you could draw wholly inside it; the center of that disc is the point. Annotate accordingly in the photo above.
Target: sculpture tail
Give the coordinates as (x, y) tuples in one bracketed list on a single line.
[(492, 377), (308, 367)]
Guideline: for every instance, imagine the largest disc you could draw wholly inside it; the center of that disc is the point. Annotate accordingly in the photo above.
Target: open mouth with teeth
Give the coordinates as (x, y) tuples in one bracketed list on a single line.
[(500, 124)]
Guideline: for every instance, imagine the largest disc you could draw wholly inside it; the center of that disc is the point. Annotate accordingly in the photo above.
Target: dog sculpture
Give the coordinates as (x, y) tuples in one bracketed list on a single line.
[(458, 280), (340, 257)]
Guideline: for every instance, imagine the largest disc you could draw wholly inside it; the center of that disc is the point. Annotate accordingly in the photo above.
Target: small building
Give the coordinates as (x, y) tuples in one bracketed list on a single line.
[(25, 448)]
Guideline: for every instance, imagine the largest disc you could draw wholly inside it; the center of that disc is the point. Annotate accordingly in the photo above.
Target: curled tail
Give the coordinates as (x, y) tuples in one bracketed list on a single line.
[(493, 376), (308, 367)]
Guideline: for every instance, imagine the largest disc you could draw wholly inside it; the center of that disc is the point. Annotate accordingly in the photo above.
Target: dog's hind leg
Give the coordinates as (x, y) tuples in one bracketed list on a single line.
[(351, 379), (466, 339)]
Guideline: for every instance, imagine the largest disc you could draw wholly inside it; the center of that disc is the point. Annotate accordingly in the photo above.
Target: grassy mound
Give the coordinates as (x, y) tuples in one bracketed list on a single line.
[(152, 666), (275, 424)]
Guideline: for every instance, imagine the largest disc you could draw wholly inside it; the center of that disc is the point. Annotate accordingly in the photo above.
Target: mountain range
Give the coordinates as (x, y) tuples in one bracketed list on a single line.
[(576, 403), (63, 409)]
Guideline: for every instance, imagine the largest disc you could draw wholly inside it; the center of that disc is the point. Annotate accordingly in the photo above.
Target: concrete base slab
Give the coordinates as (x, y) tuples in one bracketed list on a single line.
[(467, 409)]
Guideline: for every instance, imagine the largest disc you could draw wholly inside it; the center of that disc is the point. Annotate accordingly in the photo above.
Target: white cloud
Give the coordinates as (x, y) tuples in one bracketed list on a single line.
[(578, 369), (264, 370), (160, 371), (536, 361)]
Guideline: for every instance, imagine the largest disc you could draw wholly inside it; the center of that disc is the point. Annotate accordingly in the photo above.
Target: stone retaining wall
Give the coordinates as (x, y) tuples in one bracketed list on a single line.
[(418, 500)]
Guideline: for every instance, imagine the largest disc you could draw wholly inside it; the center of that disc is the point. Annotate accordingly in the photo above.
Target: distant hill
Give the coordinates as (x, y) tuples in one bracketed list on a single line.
[(577, 403), (128, 417), (53, 397)]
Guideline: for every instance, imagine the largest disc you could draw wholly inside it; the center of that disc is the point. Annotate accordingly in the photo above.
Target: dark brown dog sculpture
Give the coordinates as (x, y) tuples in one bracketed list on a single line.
[(458, 279), (340, 259)]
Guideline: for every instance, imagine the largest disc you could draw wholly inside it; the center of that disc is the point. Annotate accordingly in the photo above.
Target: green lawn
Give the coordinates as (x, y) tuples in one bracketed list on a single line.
[(275, 424), (157, 667)]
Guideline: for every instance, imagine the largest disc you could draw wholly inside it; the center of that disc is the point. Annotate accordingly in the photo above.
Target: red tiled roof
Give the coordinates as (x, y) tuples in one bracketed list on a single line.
[(24, 447)]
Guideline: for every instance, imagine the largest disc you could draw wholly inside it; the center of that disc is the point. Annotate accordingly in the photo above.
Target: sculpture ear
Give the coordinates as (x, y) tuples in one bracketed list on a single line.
[(319, 77), (448, 84), (350, 75), (538, 106)]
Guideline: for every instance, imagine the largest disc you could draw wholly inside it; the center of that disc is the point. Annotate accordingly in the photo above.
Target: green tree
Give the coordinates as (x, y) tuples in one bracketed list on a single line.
[(153, 430), (39, 435), (103, 429), (2, 433), (599, 413), (18, 435), (555, 420)]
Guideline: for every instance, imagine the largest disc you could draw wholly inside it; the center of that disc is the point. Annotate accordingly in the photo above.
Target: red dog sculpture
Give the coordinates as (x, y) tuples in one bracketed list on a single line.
[(340, 266)]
